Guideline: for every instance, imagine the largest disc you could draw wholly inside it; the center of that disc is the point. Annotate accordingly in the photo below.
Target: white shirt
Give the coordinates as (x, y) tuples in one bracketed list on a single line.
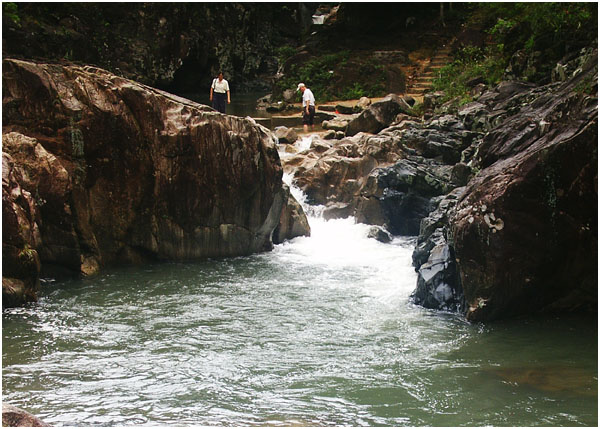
[(308, 97), (220, 87)]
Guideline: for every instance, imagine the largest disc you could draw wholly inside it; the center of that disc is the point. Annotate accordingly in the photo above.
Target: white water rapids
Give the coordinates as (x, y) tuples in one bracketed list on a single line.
[(318, 332)]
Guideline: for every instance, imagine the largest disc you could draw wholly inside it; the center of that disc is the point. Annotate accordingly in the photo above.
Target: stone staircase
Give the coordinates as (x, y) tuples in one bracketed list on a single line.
[(422, 77)]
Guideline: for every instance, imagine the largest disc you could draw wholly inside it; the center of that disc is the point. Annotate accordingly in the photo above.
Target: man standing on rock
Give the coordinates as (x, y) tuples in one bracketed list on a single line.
[(308, 107), (218, 90)]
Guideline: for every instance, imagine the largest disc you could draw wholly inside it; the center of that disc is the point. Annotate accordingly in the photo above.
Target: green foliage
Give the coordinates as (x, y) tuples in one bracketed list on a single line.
[(316, 73), (11, 11), (547, 26), (328, 76), (548, 29), (470, 63), (284, 53), (353, 92)]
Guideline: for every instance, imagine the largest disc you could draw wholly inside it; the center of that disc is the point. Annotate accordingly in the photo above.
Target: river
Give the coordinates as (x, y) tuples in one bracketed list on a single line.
[(318, 332)]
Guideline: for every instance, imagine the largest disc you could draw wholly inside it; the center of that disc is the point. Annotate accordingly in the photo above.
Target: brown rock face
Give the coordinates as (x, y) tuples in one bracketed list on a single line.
[(15, 417), (101, 170), (525, 232)]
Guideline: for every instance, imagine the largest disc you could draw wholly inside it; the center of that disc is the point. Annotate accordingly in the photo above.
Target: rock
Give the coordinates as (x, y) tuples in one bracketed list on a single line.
[(289, 95), (327, 108), (277, 107), (338, 174), (522, 234), (439, 140), (293, 222), (477, 90), (473, 115), (461, 174), (379, 234), (105, 170), (432, 100), (344, 110), (16, 417), (363, 103), (338, 211), (378, 116), (335, 125), (286, 135), (472, 83), (330, 135), (437, 285), (320, 146), (399, 196)]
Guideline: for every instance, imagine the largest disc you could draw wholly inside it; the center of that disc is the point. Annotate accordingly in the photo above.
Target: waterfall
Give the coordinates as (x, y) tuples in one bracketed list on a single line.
[(344, 244)]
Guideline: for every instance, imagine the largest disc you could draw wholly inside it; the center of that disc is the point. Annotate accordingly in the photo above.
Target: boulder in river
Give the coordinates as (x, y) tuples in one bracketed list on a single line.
[(522, 236), (378, 115), (102, 170), (286, 135)]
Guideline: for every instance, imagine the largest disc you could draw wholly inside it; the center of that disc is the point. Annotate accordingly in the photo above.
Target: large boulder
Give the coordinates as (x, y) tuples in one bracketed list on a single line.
[(378, 115), (399, 196), (102, 170), (293, 222), (438, 283), (522, 235), (338, 173)]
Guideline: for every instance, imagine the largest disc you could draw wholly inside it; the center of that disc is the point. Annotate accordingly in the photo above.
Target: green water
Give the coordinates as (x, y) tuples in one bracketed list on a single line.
[(319, 332)]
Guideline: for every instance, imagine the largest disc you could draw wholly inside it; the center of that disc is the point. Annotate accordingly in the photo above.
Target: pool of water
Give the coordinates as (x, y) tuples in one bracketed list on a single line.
[(318, 332), (241, 104)]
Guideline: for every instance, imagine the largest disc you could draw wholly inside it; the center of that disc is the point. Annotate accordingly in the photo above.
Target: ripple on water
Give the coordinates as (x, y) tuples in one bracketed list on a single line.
[(318, 332)]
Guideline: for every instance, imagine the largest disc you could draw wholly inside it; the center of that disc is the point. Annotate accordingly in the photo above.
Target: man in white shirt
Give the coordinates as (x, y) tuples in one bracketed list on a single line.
[(218, 90), (308, 107)]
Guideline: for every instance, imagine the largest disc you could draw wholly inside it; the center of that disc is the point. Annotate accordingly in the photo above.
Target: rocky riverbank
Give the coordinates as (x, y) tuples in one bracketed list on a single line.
[(99, 170), (502, 192)]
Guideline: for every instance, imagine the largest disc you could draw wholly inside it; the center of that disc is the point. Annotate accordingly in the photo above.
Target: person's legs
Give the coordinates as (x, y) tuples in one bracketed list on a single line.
[(305, 120), (311, 119), (220, 102)]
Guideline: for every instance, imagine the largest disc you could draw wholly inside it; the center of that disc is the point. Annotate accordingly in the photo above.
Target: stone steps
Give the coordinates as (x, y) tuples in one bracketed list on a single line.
[(424, 77)]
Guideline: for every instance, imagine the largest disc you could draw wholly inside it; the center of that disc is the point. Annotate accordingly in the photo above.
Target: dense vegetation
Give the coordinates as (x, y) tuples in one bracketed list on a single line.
[(326, 75), (523, 40), (179, 47)]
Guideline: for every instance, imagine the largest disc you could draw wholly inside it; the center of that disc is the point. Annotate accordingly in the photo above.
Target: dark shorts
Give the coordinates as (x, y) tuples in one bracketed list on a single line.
[(219, 101), (308, 118)]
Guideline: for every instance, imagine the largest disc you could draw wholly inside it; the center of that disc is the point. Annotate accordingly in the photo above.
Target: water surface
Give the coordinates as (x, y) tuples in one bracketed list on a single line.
[(318, 332)]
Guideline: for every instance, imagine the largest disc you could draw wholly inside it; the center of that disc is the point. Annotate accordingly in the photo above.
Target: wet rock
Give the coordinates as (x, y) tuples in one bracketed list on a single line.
[(525, 231), (339, 173), (378, 116), (344, 110), (16, 417), (335, 125), (286, 135), (438, 283), (293, 222), (379, 234), (329, 135), (338, 210), (105, 170), (399, 196)]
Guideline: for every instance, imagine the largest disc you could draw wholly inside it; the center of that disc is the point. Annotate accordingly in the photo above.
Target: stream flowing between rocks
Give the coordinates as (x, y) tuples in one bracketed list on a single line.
[(318, 332)]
